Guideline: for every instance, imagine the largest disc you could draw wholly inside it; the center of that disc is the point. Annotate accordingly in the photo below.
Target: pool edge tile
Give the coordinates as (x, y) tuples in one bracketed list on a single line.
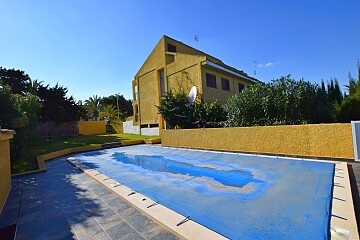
[(343, 220)]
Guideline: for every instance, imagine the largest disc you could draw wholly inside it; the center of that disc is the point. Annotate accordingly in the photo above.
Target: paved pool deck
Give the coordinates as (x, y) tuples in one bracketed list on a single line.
[(354, 173), (65, 203)]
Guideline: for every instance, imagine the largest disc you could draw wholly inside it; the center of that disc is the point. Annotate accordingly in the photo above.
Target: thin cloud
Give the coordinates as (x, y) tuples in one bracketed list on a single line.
[(268, 64)]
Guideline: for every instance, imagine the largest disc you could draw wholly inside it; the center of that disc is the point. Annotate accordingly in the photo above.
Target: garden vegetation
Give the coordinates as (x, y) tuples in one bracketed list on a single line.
[(25, 102), (282, 101)]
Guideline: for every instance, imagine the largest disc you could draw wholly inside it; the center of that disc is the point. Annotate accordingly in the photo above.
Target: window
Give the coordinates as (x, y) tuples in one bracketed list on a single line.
[(241, 87), (162, 82), (171, 48), (225, 84), (210, 80), (170, 58), (135, 93), (136, 111)]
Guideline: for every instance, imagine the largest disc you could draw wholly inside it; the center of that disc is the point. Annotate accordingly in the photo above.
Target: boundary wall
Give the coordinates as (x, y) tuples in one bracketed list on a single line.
[(5, 169), (128, 127), (92, 127), (332, 141), (118, 128)]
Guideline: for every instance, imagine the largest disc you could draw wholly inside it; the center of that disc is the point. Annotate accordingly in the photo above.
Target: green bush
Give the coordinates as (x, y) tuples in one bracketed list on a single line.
[(178, 112), (349, 109), (282, 101), (207, 115), (19, 112)]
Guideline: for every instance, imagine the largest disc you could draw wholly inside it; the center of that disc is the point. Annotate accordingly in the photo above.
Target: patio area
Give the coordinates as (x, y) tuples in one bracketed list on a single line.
[(65, 203)]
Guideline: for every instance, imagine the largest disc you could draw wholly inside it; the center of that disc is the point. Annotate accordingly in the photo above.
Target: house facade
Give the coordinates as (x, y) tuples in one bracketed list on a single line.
[(173, 65)]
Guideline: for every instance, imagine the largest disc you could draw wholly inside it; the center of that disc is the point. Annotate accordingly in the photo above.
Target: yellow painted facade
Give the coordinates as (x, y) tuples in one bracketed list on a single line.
[(92, 127), (214, 94), (313, 140), (5, 169), (175, 66), (147, 107)]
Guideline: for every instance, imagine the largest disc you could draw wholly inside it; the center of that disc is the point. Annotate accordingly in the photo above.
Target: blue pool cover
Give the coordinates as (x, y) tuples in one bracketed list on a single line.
[(239, 196)]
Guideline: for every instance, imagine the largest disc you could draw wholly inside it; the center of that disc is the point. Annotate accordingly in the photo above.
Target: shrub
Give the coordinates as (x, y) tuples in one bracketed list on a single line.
[(282, 101), (178, 112)]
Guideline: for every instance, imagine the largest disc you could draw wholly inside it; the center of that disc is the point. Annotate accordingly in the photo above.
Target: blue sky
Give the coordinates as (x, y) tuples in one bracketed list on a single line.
[(96, 47)]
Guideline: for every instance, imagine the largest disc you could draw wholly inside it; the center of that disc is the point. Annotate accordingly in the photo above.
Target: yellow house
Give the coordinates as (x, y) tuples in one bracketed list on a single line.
[(173, 65)]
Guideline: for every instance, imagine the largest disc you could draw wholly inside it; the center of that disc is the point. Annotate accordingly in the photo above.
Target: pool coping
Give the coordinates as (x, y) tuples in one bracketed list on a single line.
[(342, 221)]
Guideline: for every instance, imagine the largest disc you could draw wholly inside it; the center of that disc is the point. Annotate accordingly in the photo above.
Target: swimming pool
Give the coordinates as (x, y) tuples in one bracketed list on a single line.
[(239, 196)]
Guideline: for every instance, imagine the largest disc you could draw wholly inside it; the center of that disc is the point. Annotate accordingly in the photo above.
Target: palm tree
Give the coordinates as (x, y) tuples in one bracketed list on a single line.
[(92, 106), (110, 113), (34, 86)]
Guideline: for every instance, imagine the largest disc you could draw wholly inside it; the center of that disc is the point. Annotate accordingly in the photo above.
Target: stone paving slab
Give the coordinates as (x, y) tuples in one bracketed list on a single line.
[(64, 203)]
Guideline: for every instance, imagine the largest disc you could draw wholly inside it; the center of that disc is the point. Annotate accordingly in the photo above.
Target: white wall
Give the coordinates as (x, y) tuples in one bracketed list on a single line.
[(356, 139), (128, 127), (150, 131)]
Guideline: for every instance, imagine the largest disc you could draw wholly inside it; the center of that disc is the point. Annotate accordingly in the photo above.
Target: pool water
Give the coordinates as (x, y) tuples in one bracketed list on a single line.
[(239, 196)]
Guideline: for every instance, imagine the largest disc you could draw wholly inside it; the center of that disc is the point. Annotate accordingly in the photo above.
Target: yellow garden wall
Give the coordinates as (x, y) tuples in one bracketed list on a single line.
[(313, 140), (92, 127), (118, 128), (63, 152), (42, 158), (5, 170)]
